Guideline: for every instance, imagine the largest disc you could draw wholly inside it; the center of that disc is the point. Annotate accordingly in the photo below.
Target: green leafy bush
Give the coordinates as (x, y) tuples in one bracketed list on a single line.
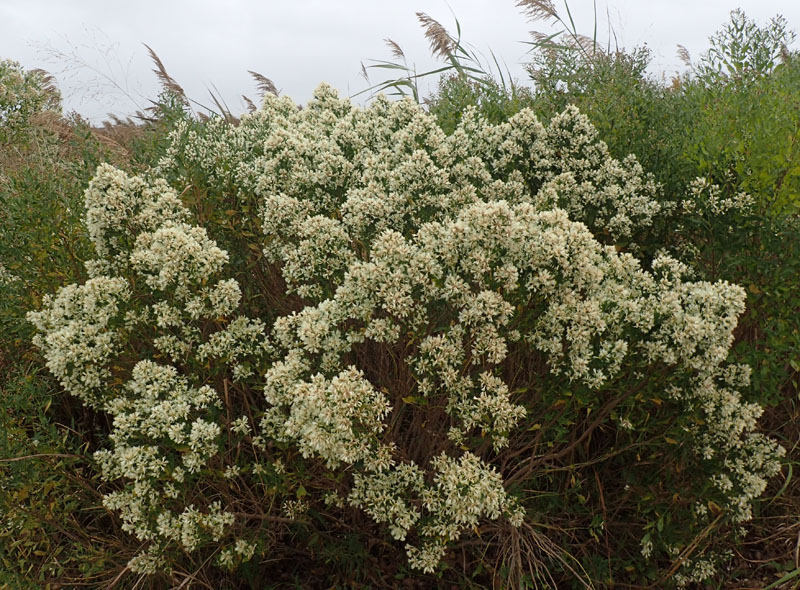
[(633, 112), (337, 347), (742, 52), (495, 103), (433, 342), (52, 527), (745, 136)]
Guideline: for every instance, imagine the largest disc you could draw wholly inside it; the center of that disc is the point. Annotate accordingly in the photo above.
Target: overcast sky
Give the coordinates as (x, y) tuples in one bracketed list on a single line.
[(94, 47)]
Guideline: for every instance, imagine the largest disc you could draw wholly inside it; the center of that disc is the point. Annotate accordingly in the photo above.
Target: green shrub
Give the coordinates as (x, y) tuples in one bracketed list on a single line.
[(339, 346), (494, 102), (746, 136), (741, 52), (53, 530)]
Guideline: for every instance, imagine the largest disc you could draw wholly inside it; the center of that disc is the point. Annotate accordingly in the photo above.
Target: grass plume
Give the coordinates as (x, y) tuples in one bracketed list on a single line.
[(537, 10), (441, 42), (397, 51), (683, 55), (167, 81), (264, 84)]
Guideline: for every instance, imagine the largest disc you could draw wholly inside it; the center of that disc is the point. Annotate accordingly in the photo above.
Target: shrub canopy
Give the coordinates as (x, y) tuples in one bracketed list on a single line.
[(335, 311)]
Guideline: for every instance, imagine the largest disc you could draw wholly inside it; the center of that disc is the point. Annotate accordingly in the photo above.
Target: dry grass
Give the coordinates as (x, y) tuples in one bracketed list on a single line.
[(442, 44), (538, 10), (160, 71), (396, 50), (683, 55), (527, 553), (263, 84)]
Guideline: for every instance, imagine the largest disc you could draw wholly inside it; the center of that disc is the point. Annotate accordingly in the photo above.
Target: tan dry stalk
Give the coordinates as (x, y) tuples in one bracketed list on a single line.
[(683, 55), (441, 42), (264, 84), (396, 50), (538, 9), (161, 72), (250, 104)]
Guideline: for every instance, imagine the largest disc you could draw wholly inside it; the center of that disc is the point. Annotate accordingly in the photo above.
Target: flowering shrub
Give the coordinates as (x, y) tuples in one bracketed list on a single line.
[(347, 313), (23, 94)]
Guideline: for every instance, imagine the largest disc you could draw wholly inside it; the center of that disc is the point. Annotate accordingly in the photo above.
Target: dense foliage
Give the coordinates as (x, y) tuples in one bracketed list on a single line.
[(497, 342)]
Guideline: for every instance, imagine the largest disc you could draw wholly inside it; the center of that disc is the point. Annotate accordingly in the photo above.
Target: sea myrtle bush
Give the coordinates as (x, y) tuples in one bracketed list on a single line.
[(23, 95), (338, 320)]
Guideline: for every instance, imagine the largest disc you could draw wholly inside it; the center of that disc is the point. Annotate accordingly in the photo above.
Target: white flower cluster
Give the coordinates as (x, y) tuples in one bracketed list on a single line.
[(160, 405), (154, 275), (335, 419), (386, 495), (463, 491), (120, 207), (706, 198), (240, 342), (564, 165), (333, 177), (23, 94), (78, 335), (241, 551), (176, 254), (7, 277), (695, 572)]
